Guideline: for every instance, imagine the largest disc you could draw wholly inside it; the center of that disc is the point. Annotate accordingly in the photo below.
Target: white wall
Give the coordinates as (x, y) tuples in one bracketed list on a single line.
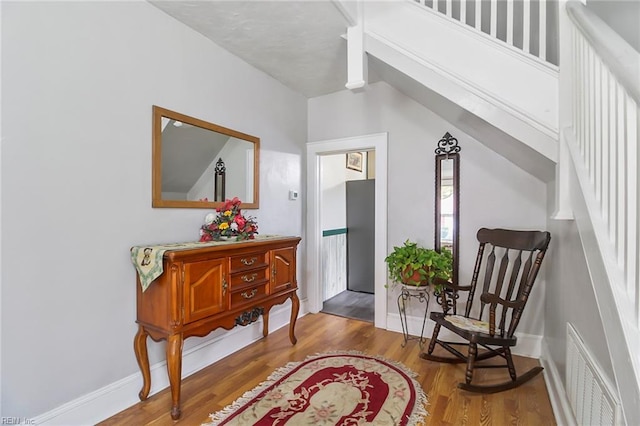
[(79, 80), (334, 191), (571, 298), (622, 16), (494, 192)]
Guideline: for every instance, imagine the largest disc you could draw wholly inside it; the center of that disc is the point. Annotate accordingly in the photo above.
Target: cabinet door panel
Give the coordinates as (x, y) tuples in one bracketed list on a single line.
[(205, 289), (283, 267)]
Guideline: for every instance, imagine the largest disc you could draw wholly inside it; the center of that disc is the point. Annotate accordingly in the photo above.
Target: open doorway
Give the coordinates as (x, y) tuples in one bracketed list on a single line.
[(347, 209), (315, 152)]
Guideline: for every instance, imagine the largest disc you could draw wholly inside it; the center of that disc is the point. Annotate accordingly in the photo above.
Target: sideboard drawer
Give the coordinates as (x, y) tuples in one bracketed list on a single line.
[(249, 261), (248, 295), (254, 276)]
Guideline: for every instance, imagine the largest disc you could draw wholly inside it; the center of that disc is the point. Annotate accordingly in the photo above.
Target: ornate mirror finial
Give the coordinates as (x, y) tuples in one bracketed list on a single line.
[(447, 145), (220, 167), (219, 181)]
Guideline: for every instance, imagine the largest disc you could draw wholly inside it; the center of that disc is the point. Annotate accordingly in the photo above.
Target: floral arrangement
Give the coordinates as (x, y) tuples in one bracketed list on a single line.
[(228, 223)]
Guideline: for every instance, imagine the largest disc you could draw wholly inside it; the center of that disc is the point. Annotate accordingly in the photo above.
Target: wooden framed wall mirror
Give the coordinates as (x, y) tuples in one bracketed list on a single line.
[(197, 164), (447, 202)]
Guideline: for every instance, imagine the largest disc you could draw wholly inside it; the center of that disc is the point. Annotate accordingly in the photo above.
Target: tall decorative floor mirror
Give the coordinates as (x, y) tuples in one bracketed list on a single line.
[(447, 198)]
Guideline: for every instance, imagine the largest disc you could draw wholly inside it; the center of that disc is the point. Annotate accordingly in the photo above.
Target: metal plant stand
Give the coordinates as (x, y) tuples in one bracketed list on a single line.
[(421, 294)]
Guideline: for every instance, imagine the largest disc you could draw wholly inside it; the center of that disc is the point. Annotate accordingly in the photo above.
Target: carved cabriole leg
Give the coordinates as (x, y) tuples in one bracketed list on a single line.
[(295, 307), (265, 324), (174, 368), (432, 343), (140, 348), (471, 359)]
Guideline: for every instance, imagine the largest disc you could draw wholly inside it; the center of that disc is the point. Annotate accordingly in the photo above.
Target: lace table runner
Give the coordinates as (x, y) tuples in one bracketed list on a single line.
[(148, 259)]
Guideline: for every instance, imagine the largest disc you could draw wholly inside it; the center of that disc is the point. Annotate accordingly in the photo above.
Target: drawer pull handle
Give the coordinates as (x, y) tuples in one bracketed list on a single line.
[(248, 262), (248, 295), (249, 278)]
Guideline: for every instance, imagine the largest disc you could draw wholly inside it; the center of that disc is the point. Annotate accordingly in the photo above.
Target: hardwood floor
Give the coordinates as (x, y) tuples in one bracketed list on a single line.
[(218, 385)]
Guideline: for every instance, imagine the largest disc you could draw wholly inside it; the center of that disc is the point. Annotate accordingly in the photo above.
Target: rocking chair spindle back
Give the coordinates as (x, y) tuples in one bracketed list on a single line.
[(509, 262)]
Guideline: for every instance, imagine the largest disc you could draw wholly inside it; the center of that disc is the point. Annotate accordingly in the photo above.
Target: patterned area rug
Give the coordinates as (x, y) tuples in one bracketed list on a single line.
[(338, 388)]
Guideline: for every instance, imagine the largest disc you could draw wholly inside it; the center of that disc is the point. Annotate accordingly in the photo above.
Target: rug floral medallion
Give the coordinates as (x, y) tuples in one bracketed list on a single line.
[(345, 388)]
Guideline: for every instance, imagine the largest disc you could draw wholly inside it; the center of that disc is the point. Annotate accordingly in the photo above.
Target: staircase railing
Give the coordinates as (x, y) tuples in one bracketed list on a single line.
[(599, 122), (606, 95), (530, 26)]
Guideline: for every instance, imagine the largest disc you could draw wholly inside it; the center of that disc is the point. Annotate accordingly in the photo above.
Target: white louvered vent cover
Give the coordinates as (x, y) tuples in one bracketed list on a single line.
[(591, 396)]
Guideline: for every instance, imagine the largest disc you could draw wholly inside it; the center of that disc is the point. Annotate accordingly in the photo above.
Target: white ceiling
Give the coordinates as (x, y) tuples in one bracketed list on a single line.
[(298, 43), (301, 44)]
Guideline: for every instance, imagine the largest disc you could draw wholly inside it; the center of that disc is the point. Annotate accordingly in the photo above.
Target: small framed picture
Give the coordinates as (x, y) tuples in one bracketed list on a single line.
[(354, 161)]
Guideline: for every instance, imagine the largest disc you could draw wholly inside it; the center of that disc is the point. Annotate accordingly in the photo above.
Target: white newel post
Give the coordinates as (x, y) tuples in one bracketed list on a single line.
[(356, 58), (563, 208)]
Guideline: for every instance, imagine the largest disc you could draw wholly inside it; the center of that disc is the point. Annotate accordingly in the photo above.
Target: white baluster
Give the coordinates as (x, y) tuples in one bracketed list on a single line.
[(510, 22), (635, 131), (632, 198), (543, 30), (479, 15), (494, 18), (613, 156), (449, 10), (597, 129), (594, 119), (592, 116), (584, 98), (463, 11), (587, 105), (526, 26), (606, 178), (576, 84), (621, 175)]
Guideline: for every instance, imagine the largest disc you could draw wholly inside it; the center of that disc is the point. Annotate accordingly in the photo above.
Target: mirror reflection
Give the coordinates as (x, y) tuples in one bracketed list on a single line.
[(447, 202), (447, 227), (199, 164)]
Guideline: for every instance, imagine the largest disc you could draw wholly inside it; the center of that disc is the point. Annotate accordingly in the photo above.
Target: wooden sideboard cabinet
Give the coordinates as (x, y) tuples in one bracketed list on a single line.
[(202, 289)]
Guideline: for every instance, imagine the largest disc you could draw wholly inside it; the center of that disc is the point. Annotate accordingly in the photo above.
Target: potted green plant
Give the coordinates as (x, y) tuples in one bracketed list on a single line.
[(411, 264)]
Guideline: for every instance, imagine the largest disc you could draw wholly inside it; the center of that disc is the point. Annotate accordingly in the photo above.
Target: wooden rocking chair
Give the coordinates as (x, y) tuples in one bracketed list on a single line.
[(510, 261)]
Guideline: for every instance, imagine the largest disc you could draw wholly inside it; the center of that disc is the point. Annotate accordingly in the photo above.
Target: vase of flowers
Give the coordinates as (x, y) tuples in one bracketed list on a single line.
[(228, 222)]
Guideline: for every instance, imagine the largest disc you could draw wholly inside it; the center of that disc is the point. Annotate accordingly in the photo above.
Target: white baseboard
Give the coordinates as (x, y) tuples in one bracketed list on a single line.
[(115, 397), (557, 394), (528, 344), (414, 324)]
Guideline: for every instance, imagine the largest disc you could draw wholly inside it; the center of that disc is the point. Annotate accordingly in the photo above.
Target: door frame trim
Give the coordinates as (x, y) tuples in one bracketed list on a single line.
[(377, 142)]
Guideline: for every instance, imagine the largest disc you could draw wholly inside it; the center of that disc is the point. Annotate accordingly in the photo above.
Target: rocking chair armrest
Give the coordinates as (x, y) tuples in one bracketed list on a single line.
[(449, 290), (450, 285), (493, 299)]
